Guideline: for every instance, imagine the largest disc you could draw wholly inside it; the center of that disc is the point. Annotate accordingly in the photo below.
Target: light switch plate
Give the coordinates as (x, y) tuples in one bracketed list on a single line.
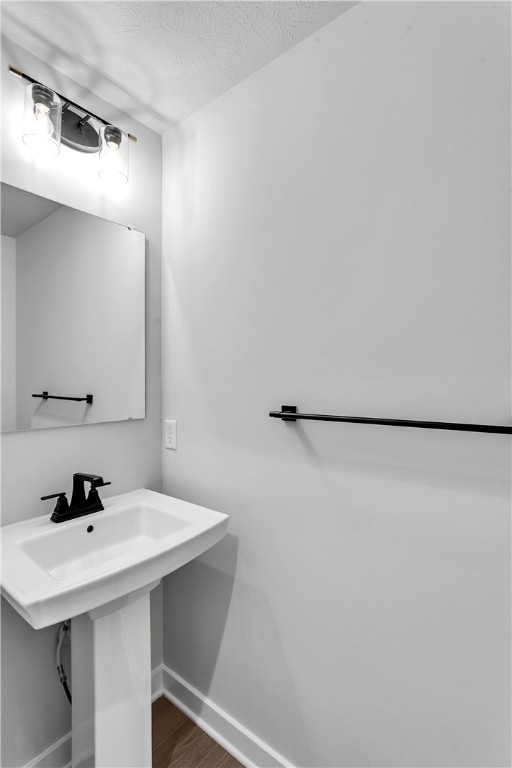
[(170, 434)]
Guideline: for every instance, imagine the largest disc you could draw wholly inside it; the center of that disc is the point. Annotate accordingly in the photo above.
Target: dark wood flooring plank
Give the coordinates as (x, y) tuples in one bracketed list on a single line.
[(171, 745), (185, 748), (166, 718), (219, 758), (179, 743)]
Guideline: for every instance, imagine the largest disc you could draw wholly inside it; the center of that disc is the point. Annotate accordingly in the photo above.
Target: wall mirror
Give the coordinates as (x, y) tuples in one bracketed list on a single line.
[(72, 316)]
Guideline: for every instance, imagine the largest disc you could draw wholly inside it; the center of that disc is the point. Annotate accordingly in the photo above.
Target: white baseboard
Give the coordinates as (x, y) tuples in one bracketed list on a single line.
[(59, 754), (234, 737), (157, 685)]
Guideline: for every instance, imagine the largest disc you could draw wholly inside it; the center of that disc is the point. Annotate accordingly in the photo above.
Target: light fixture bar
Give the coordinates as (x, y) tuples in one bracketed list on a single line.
[(67, 101)]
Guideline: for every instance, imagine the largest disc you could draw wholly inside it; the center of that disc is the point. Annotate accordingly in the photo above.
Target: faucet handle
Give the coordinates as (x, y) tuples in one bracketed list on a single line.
[(93, 496), (94, 503), (61, 507)]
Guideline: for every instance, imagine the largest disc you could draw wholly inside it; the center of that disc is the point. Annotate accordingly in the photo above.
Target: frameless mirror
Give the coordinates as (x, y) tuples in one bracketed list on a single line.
[(72, 316)]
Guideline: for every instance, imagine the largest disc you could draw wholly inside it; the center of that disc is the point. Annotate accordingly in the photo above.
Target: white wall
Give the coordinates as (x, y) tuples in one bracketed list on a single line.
[(80, 320), (35, 712), (337, 236), (8, 336)]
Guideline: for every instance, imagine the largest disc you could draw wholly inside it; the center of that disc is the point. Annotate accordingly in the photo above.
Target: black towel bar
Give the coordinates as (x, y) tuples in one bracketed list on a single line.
[(289, 413), (46, 396)]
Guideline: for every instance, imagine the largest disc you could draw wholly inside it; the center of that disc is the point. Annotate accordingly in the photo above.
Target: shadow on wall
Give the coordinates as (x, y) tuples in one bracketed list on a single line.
[(447, 460), (40, 698), (199, 595), (213, 617)]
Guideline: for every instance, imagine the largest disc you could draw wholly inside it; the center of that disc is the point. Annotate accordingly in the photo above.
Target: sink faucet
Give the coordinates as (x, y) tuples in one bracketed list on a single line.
[(80, 505)]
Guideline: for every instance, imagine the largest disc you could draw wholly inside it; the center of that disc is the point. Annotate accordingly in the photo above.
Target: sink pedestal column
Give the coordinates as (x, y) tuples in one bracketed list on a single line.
[(111, 684)]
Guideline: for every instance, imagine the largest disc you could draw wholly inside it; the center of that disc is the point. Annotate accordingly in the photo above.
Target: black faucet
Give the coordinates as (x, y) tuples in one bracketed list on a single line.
[(80, 505)]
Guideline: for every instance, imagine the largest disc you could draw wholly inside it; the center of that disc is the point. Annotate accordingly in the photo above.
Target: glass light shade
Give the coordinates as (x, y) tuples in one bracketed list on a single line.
[(42, 119), (113, 160)]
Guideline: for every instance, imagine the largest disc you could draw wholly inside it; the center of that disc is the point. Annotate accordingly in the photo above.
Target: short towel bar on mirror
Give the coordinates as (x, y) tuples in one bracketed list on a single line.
[(289, 413), (88, 398)]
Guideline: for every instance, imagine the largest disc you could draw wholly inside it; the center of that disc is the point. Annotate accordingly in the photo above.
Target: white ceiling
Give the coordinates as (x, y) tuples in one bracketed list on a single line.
[(161, 61)]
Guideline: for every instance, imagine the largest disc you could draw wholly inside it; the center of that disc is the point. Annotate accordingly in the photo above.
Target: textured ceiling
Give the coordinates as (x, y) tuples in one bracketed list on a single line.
[(161, 61)]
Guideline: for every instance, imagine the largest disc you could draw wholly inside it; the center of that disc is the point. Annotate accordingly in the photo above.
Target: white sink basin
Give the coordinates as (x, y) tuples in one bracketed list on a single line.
[(54, 571)]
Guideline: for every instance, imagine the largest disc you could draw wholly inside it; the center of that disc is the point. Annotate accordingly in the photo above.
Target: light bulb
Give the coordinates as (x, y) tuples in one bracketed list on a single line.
[(42, 119), (113, 160), (41, 109), (41, 114)]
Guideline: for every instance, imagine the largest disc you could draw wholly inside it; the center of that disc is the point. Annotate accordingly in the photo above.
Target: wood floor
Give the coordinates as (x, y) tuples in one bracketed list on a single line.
[(179, 743)]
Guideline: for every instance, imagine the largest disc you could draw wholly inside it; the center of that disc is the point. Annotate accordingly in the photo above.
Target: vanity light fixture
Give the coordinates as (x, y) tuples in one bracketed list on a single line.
[(50, 118)]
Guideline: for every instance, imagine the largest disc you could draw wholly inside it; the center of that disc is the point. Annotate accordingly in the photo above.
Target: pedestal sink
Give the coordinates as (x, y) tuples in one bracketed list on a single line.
[(99, 571)]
